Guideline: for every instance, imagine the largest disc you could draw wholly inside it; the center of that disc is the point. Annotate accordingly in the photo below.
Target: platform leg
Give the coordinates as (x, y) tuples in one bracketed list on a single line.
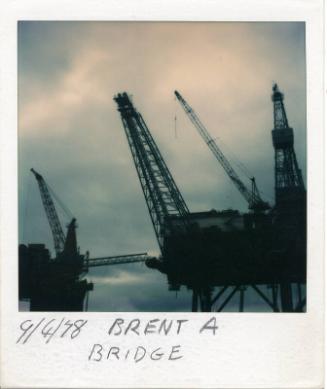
[(274, 289), (286, 297), (241, 306), (194, 301)]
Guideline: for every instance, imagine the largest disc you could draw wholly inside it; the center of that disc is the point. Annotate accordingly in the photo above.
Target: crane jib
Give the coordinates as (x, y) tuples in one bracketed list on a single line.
[(50, 210), (162, 196), (253, 198)]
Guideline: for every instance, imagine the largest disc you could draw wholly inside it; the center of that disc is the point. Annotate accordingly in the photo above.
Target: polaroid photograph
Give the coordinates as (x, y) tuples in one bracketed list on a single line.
[(161, 197)]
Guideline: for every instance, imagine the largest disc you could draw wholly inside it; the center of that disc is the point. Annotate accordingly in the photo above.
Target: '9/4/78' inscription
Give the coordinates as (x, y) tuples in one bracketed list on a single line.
[(49, 328)]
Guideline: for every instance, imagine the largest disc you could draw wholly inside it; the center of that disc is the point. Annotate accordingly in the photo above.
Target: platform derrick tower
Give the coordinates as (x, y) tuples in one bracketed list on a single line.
[(289, 186), (290, 206), (201, 250)]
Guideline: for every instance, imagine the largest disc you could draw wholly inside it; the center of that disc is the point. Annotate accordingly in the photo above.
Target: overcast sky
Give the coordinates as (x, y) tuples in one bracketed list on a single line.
[(70, 130)]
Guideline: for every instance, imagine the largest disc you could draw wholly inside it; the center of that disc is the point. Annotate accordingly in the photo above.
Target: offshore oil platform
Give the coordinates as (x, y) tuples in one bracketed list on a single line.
[(216, 254), (58, 284), (226, 250)]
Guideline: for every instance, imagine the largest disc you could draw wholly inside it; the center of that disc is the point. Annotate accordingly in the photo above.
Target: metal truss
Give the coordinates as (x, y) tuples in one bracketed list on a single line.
[(115, 260), (203, 299), (288, 176), (161, 194)]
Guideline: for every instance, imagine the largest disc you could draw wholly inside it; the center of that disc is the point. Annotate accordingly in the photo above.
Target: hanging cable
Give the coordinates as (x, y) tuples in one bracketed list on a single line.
[(237, 162), (66, 210), (265, 194), (175, 121)]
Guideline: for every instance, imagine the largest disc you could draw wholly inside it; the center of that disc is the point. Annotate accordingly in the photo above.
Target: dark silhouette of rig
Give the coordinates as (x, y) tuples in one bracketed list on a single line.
[(220, 254), (59, 284)]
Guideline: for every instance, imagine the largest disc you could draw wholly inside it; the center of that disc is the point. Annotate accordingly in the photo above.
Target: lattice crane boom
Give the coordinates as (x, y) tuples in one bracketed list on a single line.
[(50, 210), (252, 197), (162, 196), (116, 260)]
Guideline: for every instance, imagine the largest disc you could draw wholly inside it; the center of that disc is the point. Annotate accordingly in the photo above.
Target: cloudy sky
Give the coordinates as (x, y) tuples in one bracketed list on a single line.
[(70, 130)]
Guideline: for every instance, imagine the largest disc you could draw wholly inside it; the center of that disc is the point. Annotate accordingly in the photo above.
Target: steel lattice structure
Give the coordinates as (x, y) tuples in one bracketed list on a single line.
[(116, 260), (252, 197), (288, 176), (50, 210), (162, 196)]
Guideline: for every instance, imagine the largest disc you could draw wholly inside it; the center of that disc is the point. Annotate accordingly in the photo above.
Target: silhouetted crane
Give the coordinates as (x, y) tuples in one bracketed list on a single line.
[(163, 198), (66, 247), (252, 196), (50, 210), (55, 283), (204, 250)]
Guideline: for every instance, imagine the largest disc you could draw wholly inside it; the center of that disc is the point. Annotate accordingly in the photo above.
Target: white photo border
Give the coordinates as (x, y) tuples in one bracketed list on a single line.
[(250, 350)]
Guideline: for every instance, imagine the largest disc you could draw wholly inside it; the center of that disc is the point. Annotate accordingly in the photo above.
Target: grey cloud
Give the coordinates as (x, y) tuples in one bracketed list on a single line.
[(70, 130)]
